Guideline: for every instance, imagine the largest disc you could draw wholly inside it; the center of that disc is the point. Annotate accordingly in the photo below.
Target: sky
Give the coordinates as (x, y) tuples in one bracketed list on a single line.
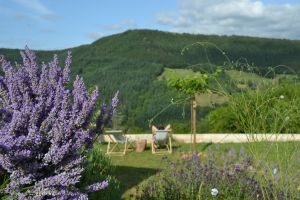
[(60, 24)]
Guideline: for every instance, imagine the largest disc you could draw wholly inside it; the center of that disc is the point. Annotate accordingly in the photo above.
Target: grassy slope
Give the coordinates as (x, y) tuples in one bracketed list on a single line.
[(132, 61)]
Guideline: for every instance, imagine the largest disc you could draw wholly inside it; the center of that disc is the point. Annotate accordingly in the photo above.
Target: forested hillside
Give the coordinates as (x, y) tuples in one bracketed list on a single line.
[(131, 62)]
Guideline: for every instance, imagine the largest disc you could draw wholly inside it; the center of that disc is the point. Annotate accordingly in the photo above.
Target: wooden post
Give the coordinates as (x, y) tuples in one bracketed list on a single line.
[(194, 105)]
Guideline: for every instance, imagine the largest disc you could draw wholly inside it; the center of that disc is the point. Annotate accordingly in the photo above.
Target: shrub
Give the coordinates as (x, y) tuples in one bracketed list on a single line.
[(98, 167), (266, 110), (222, 120), (223, 177), (45, 130), (181, 127)]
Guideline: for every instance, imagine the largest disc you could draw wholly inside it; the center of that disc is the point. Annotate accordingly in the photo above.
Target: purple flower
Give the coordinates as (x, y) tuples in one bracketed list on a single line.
[(115, 101), (97, 186), (44, 128)]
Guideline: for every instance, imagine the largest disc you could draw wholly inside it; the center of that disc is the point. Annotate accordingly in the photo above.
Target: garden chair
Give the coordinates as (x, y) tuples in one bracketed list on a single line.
[(162, 141), (117, 139)]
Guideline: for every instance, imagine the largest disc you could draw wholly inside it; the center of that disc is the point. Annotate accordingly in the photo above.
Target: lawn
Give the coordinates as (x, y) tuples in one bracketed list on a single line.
[(135, 167)]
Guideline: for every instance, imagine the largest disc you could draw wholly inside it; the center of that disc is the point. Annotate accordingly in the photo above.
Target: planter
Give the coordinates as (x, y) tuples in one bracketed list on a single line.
[(189, 155), (140, 145)]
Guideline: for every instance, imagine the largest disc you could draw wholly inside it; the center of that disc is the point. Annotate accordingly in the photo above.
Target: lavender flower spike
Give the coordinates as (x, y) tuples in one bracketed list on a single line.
[(115, 101), (97, 186)]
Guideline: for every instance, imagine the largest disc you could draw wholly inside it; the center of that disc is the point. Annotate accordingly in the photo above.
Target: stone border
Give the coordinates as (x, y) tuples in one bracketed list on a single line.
[(217, 138)]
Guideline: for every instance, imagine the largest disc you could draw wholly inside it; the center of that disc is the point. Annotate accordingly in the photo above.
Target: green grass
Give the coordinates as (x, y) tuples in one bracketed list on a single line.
[(176, 73), (134, 168), (240, 76)]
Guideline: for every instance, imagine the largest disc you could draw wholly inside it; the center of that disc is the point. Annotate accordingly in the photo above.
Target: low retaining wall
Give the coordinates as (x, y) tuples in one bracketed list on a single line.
[(218, 138)]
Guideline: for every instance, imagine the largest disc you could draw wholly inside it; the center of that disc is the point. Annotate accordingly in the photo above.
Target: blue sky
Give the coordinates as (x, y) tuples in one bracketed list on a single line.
[(58, 24)]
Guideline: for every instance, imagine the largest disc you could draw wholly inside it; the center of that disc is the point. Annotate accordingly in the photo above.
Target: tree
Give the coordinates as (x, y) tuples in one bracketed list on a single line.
[(193, 85)]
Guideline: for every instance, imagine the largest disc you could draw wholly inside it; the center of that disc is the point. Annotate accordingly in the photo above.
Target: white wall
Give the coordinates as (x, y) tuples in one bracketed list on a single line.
[(218, 138)]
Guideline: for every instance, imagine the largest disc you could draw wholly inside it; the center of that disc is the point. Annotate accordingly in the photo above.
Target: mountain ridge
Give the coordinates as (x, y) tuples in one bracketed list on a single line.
[(131, 62)]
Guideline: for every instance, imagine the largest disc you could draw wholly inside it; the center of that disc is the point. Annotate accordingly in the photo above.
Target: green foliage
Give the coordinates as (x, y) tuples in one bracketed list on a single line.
[(190, 85), (181, 126), (131, 62), (4, 180), (98, 167), (222, 120), (196, 84), (273, 109)]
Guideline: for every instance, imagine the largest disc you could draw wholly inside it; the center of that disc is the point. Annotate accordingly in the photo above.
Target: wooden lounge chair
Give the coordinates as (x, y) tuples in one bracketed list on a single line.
[(117, 139), (161, 142)]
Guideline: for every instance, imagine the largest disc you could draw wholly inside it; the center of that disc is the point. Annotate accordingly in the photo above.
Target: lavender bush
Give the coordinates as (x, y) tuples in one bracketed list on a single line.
[(45, 129), (213, 178)]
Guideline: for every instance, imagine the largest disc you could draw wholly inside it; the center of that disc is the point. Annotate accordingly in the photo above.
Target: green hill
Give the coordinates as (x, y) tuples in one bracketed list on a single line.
[(131, 62)]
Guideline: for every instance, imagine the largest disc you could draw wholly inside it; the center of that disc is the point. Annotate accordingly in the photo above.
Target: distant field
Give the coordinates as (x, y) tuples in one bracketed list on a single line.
[(242, 77), (242, 80), (176, 73), (239, 78)]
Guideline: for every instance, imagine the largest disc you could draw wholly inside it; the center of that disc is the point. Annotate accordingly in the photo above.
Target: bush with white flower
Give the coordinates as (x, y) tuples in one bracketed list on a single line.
[(229, 176)]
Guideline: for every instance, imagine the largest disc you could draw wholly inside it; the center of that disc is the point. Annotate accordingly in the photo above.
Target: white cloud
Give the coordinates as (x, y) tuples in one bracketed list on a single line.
[(238, 17), (37, 7), (34, 5)]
